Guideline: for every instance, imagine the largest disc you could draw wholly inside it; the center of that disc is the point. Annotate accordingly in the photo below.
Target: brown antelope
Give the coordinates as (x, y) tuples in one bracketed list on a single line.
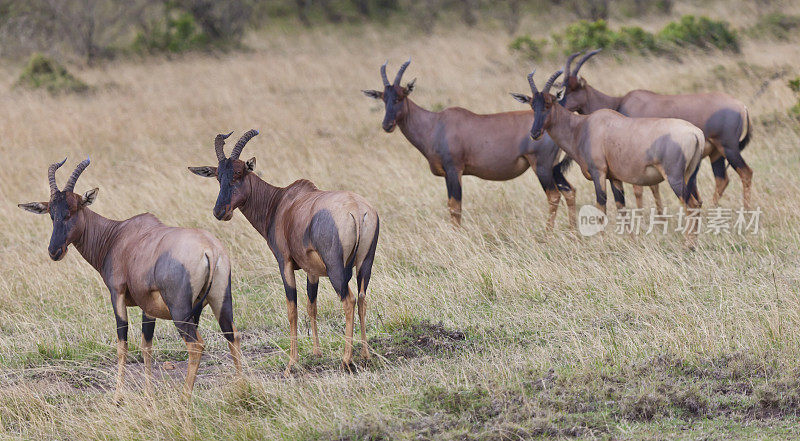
[(457, 142), (170, 273), (609, 145), (324, 233), (724, 120)]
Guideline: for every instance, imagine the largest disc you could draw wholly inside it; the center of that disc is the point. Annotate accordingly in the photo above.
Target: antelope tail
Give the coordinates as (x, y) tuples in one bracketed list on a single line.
[(746, 132), (198, 307), (358, 239)]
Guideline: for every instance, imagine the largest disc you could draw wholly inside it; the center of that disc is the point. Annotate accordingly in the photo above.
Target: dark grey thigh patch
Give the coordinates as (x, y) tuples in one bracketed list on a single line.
[(669, 153), (173, 280), (324, 236), (724, 125)]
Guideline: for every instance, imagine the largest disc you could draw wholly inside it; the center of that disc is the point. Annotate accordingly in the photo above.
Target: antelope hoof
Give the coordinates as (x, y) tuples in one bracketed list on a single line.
[(117, 399), (365, 353), (346, 365)]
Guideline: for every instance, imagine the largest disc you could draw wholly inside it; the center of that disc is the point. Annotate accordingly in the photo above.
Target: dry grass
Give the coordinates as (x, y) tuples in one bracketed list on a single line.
[(528, 302)]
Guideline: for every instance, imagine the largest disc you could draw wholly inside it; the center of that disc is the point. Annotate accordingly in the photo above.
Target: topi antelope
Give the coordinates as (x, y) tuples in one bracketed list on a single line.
[(458, 142), (608, 145), (170, 273), (724, 120), (324, 233)]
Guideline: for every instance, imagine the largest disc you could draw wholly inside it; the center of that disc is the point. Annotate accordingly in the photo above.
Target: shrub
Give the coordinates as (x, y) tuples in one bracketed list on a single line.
[(528, 47), (585, 35), (635, 38), (44, 73), (795, 86), (700, 32), (776, 25), (176, 35)]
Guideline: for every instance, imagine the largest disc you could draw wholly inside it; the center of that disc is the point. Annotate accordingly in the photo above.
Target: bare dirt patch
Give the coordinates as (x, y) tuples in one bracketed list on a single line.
[(418, 339)]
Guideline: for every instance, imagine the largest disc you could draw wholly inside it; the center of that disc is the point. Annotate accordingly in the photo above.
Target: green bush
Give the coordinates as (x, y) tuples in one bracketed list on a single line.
[(528, 47), (700, 32), (585, 35), (635, 38), (178, 34), (795, 84), (776, 25), (44, 73)]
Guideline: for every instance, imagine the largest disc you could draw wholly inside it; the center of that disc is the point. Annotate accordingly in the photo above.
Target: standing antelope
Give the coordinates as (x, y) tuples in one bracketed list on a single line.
[(608, 145), (324, 233), (724, 120), (458, 142), (170, 273)]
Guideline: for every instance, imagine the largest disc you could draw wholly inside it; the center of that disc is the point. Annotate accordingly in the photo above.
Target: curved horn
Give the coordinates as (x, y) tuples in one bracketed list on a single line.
[(401, 71), (383, 74), (237, 149), (219, 144), (534, 89), (569, 61), (74, 177), (551, 80), (51, 175), (583, 60)]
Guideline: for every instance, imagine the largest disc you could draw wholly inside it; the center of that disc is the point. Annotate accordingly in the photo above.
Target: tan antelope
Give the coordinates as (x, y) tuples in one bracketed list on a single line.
[(457, 142), (724, 120), (609, 145), (170, 273), (324, 233)]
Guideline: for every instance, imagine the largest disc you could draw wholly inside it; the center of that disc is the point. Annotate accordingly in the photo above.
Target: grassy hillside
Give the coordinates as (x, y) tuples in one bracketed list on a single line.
[(498, 330)]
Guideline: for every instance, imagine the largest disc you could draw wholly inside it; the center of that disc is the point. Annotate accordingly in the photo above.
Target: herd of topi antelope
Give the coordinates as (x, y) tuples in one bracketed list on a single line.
[(641, 138)]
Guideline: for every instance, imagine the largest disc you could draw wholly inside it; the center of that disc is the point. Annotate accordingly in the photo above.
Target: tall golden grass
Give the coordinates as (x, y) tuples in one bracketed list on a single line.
[(532, 300)]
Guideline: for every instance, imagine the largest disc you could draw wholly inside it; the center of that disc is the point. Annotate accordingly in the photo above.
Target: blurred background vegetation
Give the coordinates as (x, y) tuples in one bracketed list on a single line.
[(92, 30), (44, 34)]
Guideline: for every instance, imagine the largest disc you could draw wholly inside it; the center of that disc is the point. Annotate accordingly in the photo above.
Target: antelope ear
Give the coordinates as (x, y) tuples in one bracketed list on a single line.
[(378, 95), (410, 86), (206, 172), (524, 99), (250, 164), (35, 207), (582, 82), (560, 95), (89, 197)]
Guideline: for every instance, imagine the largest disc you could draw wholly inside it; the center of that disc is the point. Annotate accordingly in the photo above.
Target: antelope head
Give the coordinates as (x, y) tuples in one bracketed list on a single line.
[(393, 96), (65, 208), (231, 173), (575, 97), (541, 103)]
